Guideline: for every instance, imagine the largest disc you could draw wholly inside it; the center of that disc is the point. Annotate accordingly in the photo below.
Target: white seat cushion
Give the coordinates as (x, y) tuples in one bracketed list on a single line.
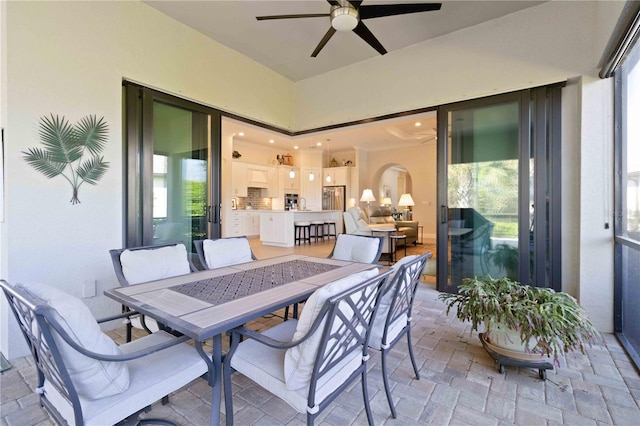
[(299, 360), (139, 266), (377, 330), (152, 377), (265, 366), (226, 252), (93, 379), (356, 248)]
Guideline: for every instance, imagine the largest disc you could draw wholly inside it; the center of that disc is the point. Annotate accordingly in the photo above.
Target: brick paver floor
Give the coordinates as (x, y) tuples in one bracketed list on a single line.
[(459, 385)]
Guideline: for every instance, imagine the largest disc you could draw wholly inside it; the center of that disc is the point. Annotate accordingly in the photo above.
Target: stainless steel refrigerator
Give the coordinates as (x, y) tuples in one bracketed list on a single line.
[(333, 198)]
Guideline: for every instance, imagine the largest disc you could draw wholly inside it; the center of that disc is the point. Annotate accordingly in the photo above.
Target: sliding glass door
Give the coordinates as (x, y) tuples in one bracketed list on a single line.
[(173, 182), (494, 168)]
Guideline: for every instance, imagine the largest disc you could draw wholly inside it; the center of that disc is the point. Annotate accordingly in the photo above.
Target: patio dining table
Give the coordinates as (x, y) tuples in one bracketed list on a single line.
[(204, 305)]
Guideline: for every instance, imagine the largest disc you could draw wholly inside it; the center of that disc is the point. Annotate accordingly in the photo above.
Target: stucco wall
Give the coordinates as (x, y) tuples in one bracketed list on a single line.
[(69, 58)]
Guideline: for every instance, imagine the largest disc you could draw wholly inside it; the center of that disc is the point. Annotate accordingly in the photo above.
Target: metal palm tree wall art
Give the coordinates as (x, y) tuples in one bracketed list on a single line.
[(65, 145)]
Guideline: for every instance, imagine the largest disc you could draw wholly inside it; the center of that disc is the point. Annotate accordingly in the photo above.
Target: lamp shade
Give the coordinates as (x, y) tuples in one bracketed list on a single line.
[(367, 195), (386, 201), (406, 200)]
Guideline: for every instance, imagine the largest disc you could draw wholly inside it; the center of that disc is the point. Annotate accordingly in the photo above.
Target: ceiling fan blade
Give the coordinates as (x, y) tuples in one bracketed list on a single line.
[(324, 41), (355, 3), (380, 10), (334, 3), (308, 15), (367, 36)]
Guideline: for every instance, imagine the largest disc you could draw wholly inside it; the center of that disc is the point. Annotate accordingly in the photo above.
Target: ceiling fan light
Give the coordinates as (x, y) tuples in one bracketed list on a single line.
[(344, 18)]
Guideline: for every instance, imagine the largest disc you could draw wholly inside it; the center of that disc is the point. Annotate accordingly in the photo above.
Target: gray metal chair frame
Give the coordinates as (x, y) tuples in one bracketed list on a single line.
[(374, 261), (117, 266), (28, 311), (198, 244), (352, 335), (403, 285), (380, 246)]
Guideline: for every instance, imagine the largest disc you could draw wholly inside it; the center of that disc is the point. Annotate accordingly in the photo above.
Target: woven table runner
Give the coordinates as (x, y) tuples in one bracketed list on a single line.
[(225, 288)]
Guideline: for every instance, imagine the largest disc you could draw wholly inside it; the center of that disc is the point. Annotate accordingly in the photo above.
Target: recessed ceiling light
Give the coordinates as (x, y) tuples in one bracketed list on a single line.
[(418, 124), (318, 143), (271, 141), (295, 147), (241, 134)]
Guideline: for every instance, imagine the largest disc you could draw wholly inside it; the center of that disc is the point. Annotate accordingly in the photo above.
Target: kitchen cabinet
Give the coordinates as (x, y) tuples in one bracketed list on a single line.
[(276, 228), (244, 223), (311, 190), (286, 184), (272, 182), (239, 181), (339, 176)]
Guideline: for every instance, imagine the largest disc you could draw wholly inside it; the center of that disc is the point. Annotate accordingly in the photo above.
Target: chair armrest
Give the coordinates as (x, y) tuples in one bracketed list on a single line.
[(119, 316), (273, 343), (115, 358), (407, 223)]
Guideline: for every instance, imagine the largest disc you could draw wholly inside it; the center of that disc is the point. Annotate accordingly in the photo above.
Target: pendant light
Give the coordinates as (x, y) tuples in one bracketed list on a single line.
[(311, 176)]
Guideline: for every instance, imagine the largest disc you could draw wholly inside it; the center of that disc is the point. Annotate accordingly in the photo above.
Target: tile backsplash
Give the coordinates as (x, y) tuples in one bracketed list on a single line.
[(255, 198)]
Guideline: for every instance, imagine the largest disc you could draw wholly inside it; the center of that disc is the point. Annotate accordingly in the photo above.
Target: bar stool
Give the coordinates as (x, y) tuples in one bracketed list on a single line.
[(318, 229), (330, 223), (302, 232)]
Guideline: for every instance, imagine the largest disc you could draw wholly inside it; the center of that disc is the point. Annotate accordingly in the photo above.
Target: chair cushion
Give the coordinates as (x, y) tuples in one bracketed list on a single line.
[(356, 248), (152, 377), (226, 252), (139, 266), (265, 366), (299, 360), (93, 379), (377, 330)]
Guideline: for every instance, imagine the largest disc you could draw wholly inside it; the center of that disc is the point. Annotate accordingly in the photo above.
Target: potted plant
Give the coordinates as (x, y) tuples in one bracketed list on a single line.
[(545, 322)]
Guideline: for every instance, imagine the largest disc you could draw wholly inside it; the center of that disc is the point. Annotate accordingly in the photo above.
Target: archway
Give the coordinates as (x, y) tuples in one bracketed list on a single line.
[(390, 182)]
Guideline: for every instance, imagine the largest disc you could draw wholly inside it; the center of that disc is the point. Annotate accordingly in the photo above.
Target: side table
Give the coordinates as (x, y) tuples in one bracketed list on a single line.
[(394, 238), (420, 230)]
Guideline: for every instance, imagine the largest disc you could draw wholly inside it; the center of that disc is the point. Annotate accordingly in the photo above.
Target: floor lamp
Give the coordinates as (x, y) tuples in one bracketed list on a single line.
[(406, 201), (367, 195)]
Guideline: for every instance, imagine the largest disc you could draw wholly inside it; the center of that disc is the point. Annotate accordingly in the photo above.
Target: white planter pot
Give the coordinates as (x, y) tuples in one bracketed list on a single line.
[(506, 341)]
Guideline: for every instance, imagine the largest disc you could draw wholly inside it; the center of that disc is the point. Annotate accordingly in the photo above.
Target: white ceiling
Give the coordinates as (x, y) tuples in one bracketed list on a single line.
[(285, 46)]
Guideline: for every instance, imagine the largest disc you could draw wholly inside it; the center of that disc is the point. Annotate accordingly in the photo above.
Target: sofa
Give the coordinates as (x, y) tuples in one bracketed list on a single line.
[(407, 227), (356, 222)]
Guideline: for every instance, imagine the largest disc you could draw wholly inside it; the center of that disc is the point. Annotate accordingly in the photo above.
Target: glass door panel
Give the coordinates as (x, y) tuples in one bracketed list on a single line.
[(479, 221), (180, 185)]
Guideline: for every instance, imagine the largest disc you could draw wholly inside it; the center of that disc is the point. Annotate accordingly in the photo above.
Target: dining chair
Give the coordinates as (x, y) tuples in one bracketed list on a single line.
[(353, 248), (310, 361), (357, 248), (84, 378), (223, 252), (136, 265), (393, 318)]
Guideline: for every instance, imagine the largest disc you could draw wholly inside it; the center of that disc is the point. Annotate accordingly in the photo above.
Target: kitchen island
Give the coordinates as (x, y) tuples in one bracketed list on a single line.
[(276, 226)]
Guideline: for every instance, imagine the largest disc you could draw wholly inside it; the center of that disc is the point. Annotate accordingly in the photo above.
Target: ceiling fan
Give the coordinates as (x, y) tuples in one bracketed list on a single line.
[(348, 15)]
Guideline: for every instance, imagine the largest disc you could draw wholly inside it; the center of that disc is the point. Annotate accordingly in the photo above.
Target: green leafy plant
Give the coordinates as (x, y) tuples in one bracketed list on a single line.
[(553, 321), (507, 258), (65, 145)]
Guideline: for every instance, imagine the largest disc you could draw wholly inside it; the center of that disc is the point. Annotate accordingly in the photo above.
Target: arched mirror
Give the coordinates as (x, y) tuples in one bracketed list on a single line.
[(394, 181)]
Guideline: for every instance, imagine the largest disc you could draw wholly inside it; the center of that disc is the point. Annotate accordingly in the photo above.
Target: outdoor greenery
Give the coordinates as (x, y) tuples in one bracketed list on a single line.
[(554, 320), (64, 148)]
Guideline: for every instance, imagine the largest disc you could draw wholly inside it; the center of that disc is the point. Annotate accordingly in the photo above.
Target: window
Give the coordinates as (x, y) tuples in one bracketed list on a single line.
[(627, 193)]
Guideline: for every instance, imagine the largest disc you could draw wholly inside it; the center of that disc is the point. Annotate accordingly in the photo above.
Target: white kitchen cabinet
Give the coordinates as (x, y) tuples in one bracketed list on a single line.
[(276, 228), (311, 190), (239, 182), (272, 182), (235, 227), (286, 184), (250, 224), (339, 176)]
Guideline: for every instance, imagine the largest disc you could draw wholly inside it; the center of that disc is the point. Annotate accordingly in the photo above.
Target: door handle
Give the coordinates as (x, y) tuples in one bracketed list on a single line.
[(444, 215)]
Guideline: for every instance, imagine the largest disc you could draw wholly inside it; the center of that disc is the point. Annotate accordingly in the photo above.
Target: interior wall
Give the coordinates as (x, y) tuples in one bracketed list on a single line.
[(69, 58), (420, 162), (533, 47)]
